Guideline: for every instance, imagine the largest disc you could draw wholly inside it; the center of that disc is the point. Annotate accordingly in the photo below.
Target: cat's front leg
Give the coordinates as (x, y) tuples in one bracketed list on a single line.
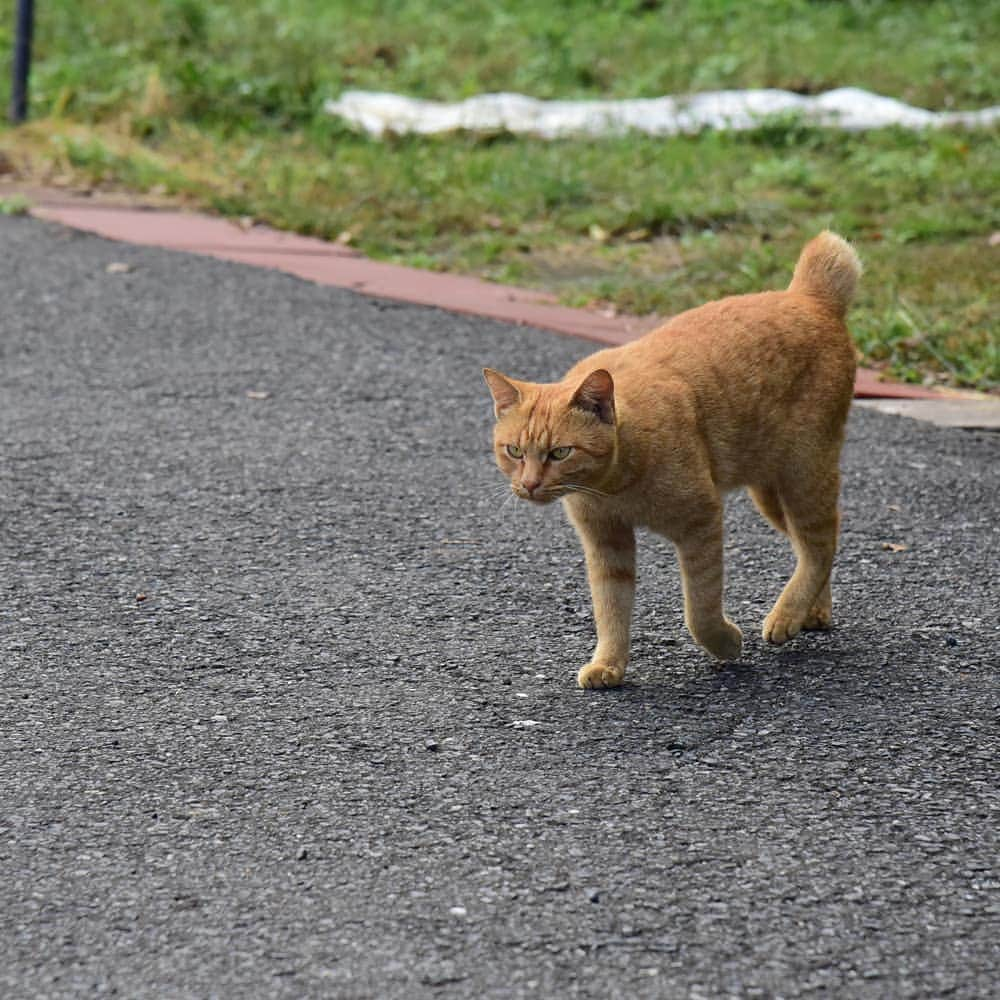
[(609, 547)]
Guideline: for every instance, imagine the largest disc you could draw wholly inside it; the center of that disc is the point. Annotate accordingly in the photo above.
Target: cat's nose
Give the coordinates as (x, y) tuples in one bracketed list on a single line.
[(530, 485)]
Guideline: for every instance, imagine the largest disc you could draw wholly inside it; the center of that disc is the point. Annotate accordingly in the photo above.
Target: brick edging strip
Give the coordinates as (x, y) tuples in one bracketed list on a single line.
[(341, 266)]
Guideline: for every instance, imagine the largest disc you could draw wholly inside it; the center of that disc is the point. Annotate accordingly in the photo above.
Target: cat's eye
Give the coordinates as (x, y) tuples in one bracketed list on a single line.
[(558, 454), (514, 451)]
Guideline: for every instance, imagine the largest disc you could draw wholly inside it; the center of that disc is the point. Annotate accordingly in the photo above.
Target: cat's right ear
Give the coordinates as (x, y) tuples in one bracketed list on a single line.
[(597, 395), (505, 392)]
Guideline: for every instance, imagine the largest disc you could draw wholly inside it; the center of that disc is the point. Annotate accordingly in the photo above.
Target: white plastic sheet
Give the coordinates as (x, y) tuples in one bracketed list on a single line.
[(847, 108)]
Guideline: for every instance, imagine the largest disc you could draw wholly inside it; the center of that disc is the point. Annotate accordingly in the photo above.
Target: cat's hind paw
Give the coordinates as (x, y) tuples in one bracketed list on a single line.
[(727, 644), (724, 641), (779, 628), (600, 675), (821, 613), (818, 619)]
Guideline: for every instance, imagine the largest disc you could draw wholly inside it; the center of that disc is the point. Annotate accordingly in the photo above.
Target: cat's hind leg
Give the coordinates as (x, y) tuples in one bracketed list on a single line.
[(821, 613), (768, 502), (812, 519)]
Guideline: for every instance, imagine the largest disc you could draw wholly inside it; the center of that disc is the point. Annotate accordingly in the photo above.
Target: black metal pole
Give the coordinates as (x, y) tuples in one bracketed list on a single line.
[(22, 61)]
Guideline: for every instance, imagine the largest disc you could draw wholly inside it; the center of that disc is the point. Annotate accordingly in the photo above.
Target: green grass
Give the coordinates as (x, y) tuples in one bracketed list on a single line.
[(15, 205), (220, 104)]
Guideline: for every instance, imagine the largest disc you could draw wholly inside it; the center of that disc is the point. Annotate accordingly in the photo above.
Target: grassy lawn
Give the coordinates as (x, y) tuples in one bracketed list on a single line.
[(219, 104)]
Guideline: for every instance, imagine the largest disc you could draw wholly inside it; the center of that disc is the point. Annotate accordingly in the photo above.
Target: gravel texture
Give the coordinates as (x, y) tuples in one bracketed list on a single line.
[(288, 693)]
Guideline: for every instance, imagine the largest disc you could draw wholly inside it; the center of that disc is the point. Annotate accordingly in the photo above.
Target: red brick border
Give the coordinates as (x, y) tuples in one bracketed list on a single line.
[(333, 264)]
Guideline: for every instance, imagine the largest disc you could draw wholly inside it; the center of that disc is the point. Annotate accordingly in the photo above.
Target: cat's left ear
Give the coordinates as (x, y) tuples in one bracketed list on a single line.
[(505, 391), (597, 395)]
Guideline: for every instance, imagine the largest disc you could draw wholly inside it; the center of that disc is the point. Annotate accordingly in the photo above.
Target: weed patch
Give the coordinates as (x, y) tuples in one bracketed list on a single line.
[(221, 105)]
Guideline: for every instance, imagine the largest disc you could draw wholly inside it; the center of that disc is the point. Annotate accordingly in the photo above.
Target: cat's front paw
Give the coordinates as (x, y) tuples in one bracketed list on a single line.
[(600, 675)]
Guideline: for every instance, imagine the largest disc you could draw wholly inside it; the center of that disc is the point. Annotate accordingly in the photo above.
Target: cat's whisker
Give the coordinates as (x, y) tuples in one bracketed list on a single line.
[(498, 492), (577, 488), (501, 510), (514, 513)]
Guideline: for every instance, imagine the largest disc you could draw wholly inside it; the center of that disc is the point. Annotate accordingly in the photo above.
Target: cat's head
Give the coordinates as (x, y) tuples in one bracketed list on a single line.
[(554, 439)]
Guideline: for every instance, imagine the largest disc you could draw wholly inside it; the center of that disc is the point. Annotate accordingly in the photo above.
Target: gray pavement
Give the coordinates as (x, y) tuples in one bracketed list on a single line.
[(288, 703)]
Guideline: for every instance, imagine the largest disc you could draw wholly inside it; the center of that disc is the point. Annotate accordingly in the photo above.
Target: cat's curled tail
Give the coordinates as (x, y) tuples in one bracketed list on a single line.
[(828, 269)]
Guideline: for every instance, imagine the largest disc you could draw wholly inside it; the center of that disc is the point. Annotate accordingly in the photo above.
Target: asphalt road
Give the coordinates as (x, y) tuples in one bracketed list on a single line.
[(288, 702)]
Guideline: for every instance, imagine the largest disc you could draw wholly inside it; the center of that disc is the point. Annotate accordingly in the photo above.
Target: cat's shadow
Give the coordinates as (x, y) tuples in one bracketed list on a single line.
[(813, 674), (691, 713)]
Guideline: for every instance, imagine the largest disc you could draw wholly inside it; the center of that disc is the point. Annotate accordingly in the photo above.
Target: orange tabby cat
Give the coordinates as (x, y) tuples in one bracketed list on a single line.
[(753, 391)]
